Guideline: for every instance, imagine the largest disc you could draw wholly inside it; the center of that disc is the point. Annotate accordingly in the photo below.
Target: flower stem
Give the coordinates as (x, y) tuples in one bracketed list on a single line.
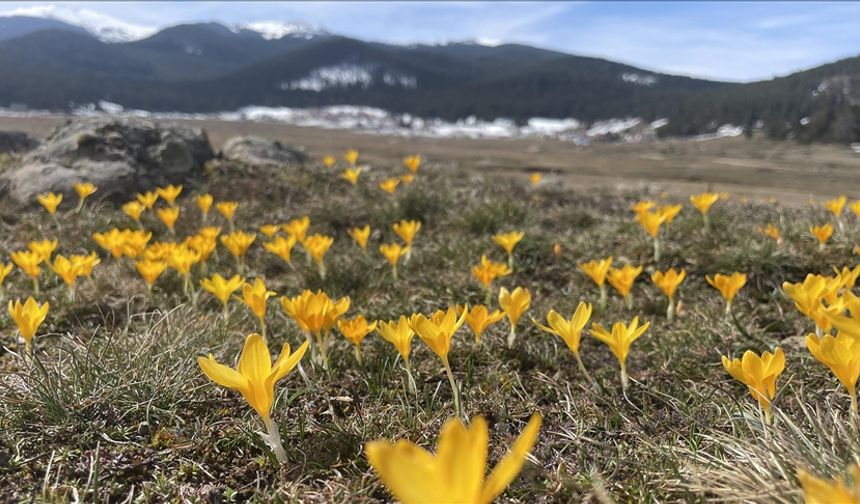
[(584, 371), (358, 355), (670, 311), (604, 296), (656, 249), (628, 299), (512, 337), (454, 389), (35, 286), (854, 411), (273, 439), (411, 386), (624, 378)]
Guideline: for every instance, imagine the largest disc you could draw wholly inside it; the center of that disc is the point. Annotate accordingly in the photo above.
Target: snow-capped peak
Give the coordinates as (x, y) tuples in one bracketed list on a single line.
[(273, 30), (105, 27)]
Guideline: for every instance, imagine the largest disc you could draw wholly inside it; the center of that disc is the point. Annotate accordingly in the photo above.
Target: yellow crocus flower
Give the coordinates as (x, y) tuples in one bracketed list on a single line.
[(204, 203), (597, 271), (238, 243), (651, 222), (255, 297), (44, 248), (488, 270), (85, 264), (150, 270), (64, 269), (147, 199), (620, 340), (480, 318), (203, 245), (569, 330), (298, 228), (835, 491), (392, 253), (360, 235), (703, 203), (83, 190), (133, 209), (169, 193), (840, 353), (414, 475), (668, 282), (514, 303), (227, 209), (355, 330), (351, 156), (535, 178), (29, 261), (809, 295), (282, 247), (643, 206), (412, 163), (437, 333), (269, 230), (389, 185), (399, 333), (222, 288), (728, 285), (406, 230), (407, 178), (508, 241), (855, 208), (5, 269), (669, 212), (329, 161), (255, 378), (181, 259), (771, 231), (28, 316), (316, 246), (50, 201), (759, 374), (622, 280), (351, 175), (836, 206), (168, 216), (822, 234), (316, 314)]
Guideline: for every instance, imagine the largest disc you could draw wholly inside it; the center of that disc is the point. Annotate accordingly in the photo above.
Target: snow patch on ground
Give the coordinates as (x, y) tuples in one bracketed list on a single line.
[(378, 121), (639, 79), (347, 75)]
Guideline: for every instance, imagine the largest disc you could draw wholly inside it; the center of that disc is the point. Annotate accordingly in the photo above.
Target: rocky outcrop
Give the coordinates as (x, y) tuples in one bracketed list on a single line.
[(17, 142), (255, 151), (119, 155)]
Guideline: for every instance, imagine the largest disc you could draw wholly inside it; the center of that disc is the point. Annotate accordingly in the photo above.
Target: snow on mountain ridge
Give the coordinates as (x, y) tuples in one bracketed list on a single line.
[(273, 30), (102, 26), (347, 75)]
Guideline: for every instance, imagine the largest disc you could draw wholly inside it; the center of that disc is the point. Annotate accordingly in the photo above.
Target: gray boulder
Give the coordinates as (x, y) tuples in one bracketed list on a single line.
[(17, 142), (121, 156), (255, 151)]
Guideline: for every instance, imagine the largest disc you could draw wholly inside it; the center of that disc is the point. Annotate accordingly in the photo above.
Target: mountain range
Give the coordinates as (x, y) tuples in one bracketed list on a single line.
[(210, 67)]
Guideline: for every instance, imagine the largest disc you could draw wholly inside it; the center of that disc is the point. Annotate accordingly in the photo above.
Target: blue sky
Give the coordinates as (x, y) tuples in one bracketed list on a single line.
[(732, 41)]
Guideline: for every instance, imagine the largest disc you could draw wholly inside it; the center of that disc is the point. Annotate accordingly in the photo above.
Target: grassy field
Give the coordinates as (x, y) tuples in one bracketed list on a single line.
[(112, 406), (756, 169)]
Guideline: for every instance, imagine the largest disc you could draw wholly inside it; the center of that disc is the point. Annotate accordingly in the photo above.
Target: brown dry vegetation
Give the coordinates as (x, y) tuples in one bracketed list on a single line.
[(113, 407)]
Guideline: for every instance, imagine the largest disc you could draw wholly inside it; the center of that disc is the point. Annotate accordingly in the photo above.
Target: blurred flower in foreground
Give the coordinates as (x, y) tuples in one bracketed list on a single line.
[(255, 378), (759, 374), (820, 491), (456, 473)]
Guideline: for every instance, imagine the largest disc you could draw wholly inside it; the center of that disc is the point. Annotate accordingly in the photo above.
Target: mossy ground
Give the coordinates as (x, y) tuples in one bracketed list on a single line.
[(113, 407)]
